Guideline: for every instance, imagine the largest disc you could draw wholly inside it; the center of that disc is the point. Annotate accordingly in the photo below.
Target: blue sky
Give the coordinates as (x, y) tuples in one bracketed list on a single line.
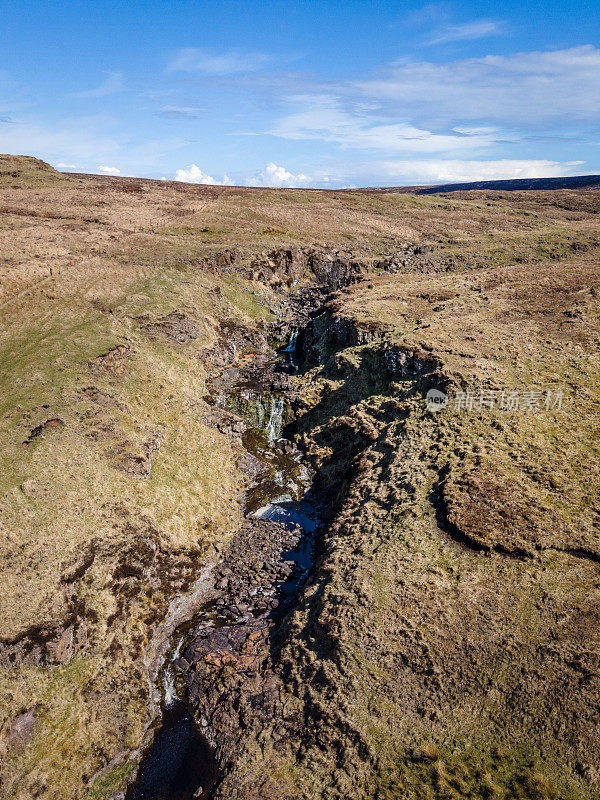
[(306, 93)]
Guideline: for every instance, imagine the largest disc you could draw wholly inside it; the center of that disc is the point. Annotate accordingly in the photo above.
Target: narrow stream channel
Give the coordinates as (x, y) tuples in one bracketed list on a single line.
[(180, 764)]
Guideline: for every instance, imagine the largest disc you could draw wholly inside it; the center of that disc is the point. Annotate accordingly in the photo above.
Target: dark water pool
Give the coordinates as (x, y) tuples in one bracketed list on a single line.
[(180, 763)]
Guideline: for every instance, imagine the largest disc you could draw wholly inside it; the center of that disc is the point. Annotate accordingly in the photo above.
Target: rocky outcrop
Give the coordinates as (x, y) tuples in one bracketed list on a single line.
[(55, 422), (175, 326), (348, 332), (226, 665), (326, 267), (286, 267), (111, 361)]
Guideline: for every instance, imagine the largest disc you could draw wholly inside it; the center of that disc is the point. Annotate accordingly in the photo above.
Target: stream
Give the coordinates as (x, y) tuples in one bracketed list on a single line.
[(180, 764)]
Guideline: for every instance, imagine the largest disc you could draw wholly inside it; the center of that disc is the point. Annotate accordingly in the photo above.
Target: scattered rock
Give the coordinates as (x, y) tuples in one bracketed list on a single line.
[(29, 487), (176, 326), (55, 422), (112, 361)]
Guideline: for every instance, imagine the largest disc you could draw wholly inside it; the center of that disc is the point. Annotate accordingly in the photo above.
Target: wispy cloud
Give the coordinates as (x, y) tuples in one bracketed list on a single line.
[(193, 174), (79, 139), (178, 112), (428, 14), (326, 118), (455, 170), (523, 88), (476, 29), (60, 165), (112, 84), (192, 59)]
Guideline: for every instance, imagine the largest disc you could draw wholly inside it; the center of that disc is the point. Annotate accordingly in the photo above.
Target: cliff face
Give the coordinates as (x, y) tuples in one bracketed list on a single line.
[(445, 645)]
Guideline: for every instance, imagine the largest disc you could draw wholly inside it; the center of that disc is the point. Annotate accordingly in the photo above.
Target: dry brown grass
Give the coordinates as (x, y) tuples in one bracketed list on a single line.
[(520, 328), (83, 258), (82, 539), (50, 221)]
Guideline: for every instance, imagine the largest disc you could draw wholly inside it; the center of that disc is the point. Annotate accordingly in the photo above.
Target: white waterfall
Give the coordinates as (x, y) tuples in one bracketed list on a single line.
[(169, 686), (274, 425), (291, 345), (290, 348)]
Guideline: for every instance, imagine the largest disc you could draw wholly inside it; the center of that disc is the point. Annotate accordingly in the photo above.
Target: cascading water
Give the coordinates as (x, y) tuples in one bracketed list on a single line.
[(169, 686), (180, 764), (291, 348), (275, 423)]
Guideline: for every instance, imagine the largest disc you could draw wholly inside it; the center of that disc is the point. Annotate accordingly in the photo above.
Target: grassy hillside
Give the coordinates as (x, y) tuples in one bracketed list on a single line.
[(115, 489)]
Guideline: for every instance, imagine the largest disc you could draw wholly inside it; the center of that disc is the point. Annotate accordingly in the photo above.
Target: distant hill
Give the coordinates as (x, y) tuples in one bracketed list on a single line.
[(512, 185), (26, 170), (519, 184)]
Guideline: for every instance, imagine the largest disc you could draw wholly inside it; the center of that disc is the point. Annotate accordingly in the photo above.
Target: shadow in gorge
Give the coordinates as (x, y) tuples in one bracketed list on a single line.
[(179, 764), (335, 428), (227, 668)]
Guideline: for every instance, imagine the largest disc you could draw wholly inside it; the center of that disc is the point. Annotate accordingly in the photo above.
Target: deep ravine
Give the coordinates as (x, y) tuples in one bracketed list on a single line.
[(222, 649)]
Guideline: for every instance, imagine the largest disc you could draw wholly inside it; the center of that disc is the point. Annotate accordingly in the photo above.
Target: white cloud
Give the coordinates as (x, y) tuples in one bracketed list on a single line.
[(192, 59), (522, 89), (324, 117), (109, 170), (77, 139), (112, 84), (178, 112), (409, 172), (456, 171), (477, 29), (60, 165), (193, 174), (277, 177)]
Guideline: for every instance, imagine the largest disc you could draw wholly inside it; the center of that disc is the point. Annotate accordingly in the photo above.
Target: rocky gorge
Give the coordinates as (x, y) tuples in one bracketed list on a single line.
[(223, 666), (218, 673), (242, 555)]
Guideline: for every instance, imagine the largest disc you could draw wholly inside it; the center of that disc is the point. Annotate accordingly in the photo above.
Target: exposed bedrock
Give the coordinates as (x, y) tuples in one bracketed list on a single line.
[(323, 266)]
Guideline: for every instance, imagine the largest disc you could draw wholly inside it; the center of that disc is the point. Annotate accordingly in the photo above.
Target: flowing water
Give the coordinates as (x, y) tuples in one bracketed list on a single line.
[(180, 763), (291, 349), (275, 423)]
